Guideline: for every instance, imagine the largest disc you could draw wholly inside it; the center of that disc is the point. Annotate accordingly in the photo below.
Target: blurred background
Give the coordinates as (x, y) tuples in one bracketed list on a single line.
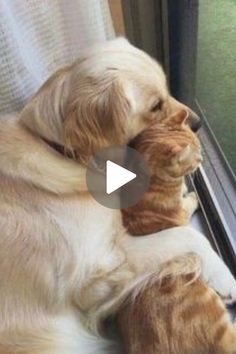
[(216, 71)]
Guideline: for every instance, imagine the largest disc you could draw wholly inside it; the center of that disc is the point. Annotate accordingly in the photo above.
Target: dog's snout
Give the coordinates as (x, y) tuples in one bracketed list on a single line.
[(195, 121)]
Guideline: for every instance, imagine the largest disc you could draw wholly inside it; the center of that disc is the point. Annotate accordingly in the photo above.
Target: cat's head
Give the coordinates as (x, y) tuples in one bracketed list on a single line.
[(171, 149)]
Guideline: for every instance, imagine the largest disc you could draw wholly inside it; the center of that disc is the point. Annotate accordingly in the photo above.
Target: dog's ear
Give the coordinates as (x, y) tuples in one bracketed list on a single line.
[(44, 113), (95, 116), (84, 113)]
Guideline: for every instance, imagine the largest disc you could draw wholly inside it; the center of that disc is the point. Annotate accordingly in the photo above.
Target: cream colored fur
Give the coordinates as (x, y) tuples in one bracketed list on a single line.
[(66, 262)]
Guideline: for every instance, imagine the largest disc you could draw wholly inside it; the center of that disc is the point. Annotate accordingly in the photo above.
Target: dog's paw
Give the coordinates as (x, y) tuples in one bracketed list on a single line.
[(223, 282)]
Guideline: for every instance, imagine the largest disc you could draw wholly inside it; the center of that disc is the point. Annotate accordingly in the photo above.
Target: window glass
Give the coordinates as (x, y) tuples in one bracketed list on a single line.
[(216, 71)]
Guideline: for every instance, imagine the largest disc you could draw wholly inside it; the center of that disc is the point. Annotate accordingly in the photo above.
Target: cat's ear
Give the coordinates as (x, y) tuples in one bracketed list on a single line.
[(181, 153), (179, 118)]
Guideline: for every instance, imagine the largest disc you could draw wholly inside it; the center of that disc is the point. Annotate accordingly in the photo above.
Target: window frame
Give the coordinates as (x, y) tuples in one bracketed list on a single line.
[(215, 182), (216, 187), (146, 26)]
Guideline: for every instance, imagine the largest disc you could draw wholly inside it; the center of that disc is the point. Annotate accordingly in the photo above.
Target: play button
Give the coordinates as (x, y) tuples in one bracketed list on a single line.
[(117, 177)]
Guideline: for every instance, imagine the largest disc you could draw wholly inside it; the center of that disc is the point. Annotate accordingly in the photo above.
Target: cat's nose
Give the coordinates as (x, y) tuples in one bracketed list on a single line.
[(195, 121)]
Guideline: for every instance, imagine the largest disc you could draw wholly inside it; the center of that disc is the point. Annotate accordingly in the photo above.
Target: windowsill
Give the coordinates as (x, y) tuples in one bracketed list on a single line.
[(216, 183), (200, 223)]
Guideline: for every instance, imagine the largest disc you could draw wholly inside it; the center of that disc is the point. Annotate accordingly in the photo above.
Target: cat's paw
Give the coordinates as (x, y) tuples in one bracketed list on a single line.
[(193, 200), (190, 203), (184, 189)]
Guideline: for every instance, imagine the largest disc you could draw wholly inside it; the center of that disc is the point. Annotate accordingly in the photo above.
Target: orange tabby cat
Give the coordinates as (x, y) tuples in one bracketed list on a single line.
[(178, 314), (172, 151)]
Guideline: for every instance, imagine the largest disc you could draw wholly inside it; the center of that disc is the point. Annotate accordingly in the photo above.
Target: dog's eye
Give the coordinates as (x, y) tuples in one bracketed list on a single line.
[(157, 106)]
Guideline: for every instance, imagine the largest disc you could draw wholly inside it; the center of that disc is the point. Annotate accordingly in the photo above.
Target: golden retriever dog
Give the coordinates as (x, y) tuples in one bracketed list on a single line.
[(66, 262)]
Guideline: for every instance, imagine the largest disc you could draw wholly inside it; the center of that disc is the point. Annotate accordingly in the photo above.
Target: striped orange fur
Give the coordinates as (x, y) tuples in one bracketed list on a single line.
[(175, 314), (172, 151)]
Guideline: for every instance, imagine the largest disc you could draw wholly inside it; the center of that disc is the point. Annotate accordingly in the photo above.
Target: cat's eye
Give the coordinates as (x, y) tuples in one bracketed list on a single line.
[(157, 106)]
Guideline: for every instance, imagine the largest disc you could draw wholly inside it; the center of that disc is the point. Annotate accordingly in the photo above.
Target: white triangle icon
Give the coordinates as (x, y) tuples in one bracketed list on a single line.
[(117, 176)]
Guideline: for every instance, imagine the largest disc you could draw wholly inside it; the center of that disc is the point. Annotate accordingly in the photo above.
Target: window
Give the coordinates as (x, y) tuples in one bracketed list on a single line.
[(214, 98), (195, 42), (216, 71), (193, 29)]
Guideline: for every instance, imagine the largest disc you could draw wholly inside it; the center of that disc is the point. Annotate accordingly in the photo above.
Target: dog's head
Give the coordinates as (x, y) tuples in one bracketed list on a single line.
[(107, 97)]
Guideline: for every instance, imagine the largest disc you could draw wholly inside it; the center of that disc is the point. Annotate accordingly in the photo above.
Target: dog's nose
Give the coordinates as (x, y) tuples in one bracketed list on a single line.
[(195, 121)]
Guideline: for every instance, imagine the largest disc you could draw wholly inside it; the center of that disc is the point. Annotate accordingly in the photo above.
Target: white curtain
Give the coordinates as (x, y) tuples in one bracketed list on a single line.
[(39, 36)]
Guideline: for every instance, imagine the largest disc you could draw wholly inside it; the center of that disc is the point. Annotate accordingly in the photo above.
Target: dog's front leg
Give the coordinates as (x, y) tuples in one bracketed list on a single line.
[(146, 253)]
